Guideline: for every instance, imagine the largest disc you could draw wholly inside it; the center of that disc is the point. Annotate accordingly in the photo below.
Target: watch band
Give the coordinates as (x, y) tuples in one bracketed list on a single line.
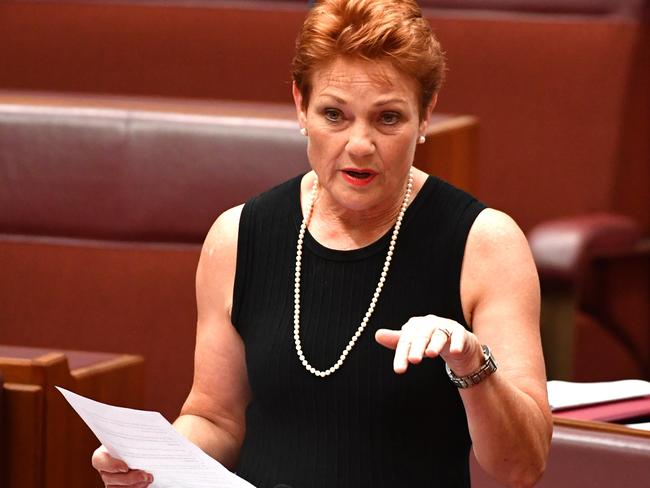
[(486, 369)]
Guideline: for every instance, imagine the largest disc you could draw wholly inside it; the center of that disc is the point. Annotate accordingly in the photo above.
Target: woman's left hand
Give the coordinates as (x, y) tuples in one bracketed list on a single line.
[(431, 336)]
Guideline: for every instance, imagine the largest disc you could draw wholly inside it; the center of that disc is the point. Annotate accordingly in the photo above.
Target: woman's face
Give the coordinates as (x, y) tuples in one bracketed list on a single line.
[(363, 125)]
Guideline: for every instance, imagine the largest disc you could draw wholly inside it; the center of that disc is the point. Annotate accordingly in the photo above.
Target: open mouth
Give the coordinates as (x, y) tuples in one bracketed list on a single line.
[(360, 175)]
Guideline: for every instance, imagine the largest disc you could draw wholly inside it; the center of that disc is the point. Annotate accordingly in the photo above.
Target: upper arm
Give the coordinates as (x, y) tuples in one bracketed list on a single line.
[(501, 300), (220, 390)]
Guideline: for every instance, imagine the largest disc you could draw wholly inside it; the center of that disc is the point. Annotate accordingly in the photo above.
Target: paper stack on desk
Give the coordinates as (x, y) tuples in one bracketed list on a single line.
[(640, 426), (566, 394), (145, 440)]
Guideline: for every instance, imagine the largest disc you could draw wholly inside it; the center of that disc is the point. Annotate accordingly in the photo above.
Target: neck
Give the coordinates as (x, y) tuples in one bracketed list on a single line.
[(341, 228), (350, 230)]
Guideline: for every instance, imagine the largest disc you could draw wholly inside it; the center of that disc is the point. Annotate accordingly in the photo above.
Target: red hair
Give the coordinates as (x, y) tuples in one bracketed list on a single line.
[(392, 30)]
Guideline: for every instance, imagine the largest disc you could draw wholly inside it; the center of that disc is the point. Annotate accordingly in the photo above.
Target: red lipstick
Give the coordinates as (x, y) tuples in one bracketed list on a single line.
[(358, 176)]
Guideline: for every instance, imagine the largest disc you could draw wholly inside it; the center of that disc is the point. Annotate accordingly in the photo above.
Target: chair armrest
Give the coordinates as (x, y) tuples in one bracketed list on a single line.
[(562, 247)]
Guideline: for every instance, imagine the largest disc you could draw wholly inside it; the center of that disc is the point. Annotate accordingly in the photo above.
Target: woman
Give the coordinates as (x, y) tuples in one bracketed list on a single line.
[(299, 289)]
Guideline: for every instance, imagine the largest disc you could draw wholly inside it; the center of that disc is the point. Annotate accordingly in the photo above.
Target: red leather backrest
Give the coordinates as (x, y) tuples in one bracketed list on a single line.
[(136, 175), (588, 458)]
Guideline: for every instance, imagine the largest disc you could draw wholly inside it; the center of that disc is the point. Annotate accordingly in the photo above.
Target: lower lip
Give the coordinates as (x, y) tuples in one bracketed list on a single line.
[(358, 181)]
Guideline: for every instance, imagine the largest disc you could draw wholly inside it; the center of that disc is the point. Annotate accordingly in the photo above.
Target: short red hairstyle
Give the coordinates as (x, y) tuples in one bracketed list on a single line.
[(392, 30)]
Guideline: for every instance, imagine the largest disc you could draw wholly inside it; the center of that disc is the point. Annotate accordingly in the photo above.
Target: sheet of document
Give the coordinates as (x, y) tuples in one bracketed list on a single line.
[(567, 394), (640, 425), (145, 440)]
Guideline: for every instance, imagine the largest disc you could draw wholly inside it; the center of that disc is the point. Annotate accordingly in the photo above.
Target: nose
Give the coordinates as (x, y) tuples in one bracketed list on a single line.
[(360, 141)]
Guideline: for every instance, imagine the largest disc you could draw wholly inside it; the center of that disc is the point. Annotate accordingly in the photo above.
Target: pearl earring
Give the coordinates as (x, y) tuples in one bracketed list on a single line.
[(303, 131), (421, 140)]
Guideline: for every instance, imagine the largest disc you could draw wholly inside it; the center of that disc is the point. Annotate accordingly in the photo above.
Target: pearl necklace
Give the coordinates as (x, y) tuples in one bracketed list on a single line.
[(375, 297)]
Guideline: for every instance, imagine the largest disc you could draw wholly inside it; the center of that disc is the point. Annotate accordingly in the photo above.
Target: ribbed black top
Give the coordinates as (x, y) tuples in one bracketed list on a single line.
[(364, 425)]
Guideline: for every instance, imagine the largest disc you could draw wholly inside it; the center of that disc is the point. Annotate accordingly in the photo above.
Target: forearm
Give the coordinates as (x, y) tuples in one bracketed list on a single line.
[(214, 440), (510, 431)]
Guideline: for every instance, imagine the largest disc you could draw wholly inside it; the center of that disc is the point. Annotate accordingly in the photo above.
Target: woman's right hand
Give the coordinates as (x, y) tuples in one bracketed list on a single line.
[(115, 473)]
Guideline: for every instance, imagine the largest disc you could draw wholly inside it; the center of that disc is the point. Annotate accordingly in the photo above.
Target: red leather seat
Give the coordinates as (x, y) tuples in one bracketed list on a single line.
[(590, 455)]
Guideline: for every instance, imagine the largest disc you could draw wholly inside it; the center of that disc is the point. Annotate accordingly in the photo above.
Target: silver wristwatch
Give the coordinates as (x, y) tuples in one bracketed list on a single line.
[(486, 369)]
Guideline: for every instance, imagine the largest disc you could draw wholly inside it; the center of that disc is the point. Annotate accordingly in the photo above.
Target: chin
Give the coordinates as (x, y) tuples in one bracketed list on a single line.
[(356, 201)]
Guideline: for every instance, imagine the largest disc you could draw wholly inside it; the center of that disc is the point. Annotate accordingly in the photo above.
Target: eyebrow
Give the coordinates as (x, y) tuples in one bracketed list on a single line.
[(376, 104), (390, 100)]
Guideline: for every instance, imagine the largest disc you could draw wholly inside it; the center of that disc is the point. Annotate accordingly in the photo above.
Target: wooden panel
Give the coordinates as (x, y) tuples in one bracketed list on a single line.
[(171, 50), (51, 366), (450, 150), (65, 444), (23, 436)]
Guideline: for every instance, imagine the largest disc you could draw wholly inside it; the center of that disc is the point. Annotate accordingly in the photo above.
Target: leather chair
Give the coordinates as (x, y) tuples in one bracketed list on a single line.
[(589, 454), (613, 316), (595, 274)]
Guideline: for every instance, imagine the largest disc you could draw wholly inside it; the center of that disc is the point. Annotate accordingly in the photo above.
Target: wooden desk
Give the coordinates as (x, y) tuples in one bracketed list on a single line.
[(46, 444)]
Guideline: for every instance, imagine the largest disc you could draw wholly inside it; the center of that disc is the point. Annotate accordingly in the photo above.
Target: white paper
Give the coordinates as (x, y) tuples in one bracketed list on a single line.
[(145, 440), (566, 394), (641, 425)]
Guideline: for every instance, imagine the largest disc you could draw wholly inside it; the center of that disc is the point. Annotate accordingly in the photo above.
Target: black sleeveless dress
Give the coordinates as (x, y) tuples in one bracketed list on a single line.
[(363, 426)]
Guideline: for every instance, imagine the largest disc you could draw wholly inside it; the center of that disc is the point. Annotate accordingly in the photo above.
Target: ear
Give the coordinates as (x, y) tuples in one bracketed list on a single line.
[(297, 100), (427, 114)]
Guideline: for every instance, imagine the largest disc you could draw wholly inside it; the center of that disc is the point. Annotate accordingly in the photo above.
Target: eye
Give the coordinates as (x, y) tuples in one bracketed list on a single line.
[(389, 118), (332, 115)]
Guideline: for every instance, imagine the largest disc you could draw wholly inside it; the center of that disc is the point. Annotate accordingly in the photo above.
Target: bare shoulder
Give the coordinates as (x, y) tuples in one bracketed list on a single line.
[(495, 232), (216, 270), (223, 233), (498, 263)]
